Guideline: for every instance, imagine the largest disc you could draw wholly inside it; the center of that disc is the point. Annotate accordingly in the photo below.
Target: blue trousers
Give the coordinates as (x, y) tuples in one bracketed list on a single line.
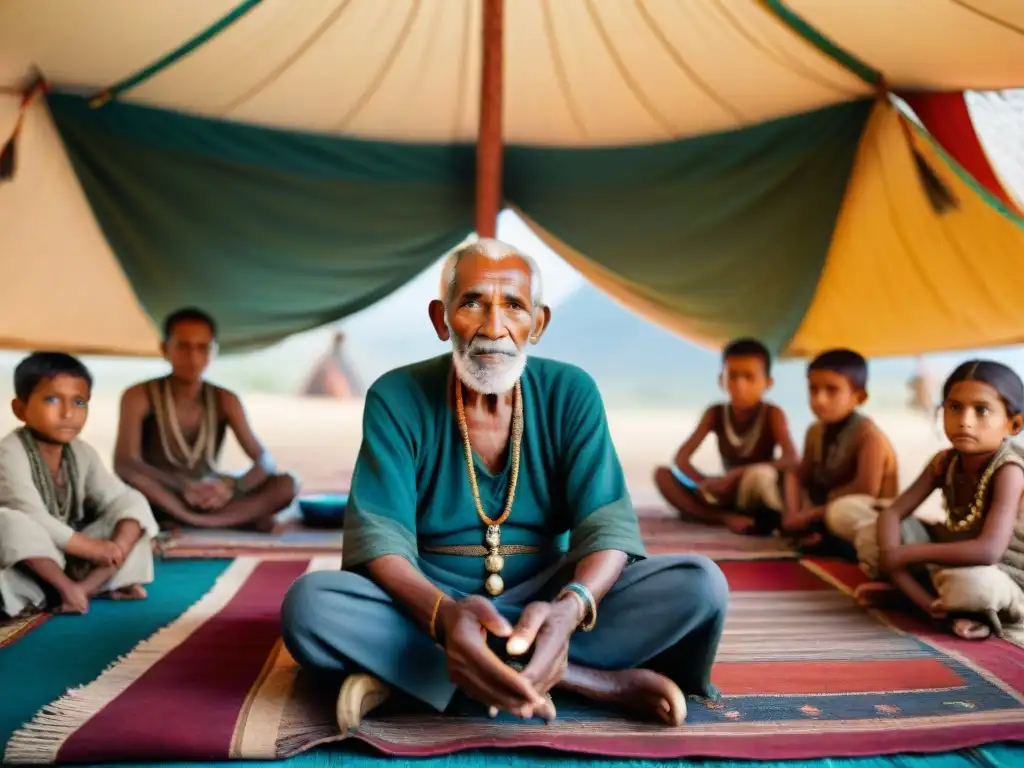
[(665, 613)]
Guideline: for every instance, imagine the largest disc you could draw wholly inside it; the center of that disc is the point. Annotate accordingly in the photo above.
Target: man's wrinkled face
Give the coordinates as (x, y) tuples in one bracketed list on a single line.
[(189, 349), (490, 317)]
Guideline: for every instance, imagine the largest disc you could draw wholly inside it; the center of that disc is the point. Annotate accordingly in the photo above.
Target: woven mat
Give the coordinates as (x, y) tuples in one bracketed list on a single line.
[(662, 533), (805, 671)]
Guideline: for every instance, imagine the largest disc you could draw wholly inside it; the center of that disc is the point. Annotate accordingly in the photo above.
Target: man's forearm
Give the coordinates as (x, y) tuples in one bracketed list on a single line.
[(408, 587), (599, 571)]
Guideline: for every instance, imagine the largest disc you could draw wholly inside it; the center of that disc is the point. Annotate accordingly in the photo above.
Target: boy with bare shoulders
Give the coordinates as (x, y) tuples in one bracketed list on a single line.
[(748, 497), (171, 432), (847, 457)]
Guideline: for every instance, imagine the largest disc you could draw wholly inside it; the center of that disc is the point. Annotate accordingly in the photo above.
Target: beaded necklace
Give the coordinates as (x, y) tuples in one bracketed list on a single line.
[(959, 518), (494, 561)]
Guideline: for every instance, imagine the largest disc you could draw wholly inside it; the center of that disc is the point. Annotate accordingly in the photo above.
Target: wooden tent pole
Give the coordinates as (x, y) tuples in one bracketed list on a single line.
[(489, 138)]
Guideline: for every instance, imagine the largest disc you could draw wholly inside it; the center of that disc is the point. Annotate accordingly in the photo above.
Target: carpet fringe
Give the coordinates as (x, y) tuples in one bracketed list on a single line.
[(40, 741)]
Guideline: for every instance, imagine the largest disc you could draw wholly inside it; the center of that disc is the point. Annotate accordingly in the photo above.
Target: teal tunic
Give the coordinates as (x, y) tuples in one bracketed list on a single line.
[(410, 489)]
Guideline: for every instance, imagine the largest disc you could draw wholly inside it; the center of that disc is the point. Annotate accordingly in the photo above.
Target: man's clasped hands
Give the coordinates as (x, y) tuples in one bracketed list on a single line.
[(481, 674)]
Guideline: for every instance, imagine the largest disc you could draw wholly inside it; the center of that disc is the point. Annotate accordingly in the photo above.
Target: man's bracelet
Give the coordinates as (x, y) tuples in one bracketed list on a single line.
[(433, 617), (590, 605)]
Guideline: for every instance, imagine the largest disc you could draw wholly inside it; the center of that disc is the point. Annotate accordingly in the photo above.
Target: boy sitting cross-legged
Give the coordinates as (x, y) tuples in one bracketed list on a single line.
[(69, 529), (847, 457), (748, 497)]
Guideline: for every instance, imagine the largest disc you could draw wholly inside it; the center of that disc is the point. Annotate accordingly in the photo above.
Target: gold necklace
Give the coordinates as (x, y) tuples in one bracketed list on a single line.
[(977, 507), (493, 561)]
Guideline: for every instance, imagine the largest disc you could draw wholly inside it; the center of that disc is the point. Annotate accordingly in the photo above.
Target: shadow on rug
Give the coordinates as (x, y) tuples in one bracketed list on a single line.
[(805, 673)]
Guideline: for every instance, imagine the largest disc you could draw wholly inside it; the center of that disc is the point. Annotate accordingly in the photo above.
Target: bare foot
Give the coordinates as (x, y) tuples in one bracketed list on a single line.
[(740, 524), (73, 601), (641, 691), (809, 541), (969, 629), (936, 610), (265, 525), (134, 592), (878, 594)]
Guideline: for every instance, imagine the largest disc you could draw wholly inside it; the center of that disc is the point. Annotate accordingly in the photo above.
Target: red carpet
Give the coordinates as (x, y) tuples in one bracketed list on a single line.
[(806, 673)]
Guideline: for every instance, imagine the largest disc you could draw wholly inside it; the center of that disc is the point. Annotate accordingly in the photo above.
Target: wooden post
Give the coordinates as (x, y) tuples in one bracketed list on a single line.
[(489, 139)]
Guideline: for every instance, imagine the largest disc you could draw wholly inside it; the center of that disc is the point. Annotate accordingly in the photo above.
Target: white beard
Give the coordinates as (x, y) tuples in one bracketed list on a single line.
[(488, 379)]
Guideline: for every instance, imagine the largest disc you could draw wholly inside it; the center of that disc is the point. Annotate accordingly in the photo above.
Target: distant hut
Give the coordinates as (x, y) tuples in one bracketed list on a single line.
[(334, 375)]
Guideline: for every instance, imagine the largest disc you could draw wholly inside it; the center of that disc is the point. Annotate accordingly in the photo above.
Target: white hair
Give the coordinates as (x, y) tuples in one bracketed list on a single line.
[(495, 250), (488, 378)]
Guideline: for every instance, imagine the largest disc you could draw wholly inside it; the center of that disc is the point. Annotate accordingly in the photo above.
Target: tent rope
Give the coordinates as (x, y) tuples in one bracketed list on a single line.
[(183, 50)]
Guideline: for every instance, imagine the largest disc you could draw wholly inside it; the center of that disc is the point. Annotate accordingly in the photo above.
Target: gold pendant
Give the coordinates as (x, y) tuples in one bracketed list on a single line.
[(494, 562), (495, 585)]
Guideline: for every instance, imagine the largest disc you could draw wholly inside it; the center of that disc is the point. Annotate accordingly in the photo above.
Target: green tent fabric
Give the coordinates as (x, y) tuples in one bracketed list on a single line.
[(277, 232), (730, 230), (272, 232)]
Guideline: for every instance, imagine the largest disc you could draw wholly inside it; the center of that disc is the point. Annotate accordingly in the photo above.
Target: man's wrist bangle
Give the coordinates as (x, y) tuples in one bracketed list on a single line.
[(434, 614), (590, 605)]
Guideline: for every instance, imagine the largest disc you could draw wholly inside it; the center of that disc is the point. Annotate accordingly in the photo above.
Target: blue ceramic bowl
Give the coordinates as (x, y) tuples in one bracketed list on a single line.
[(323, 510)]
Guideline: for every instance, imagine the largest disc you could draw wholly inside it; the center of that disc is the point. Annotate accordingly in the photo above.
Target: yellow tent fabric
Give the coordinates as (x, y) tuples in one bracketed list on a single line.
[(63, 288), (899, 277), (902, 279)]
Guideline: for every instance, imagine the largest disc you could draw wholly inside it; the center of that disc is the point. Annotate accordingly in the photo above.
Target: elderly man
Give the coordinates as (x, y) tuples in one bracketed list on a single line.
[(490, 543)]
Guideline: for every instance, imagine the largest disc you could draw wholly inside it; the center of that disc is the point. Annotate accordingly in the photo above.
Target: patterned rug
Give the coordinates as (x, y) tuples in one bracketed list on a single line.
[(661, 534), (666, 535), (292, 542), (805, 672), (12, 630)]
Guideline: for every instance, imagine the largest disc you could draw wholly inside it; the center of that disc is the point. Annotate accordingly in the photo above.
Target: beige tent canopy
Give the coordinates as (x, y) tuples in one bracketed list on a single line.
[(576, 73)]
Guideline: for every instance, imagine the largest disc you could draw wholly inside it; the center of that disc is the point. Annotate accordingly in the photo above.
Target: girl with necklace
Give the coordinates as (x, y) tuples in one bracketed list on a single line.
[(969, 569)]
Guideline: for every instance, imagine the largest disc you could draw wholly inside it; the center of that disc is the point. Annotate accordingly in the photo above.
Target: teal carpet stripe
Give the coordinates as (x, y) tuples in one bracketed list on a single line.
[(69, 651), (356, 757)]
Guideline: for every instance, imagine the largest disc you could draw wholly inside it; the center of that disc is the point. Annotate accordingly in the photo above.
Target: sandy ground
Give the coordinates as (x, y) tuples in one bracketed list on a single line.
[(318, 439)]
